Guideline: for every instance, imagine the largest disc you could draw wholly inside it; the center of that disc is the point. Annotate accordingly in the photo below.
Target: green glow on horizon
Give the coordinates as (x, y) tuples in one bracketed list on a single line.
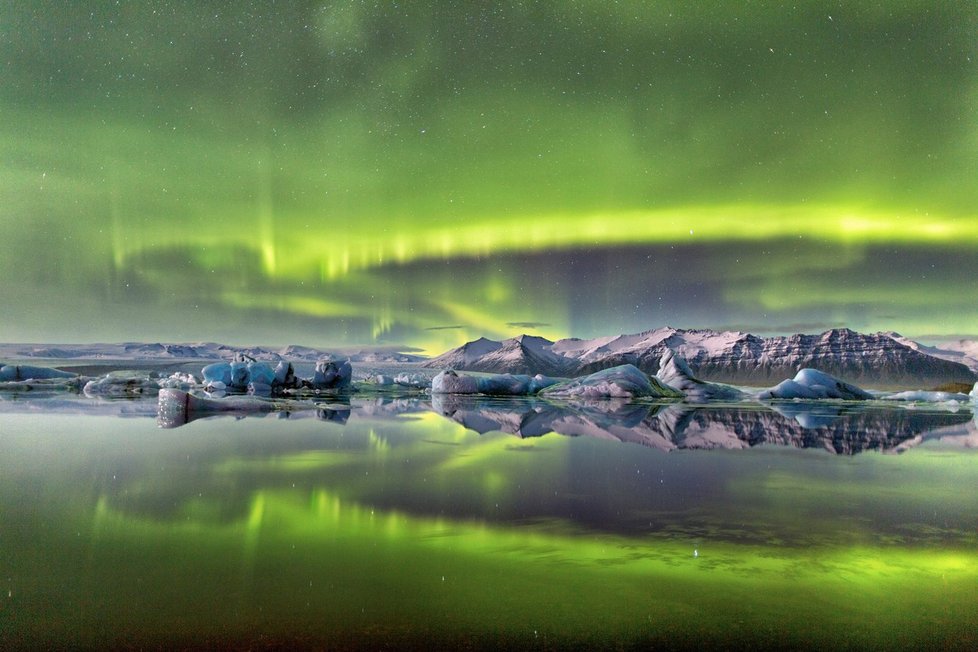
[(211, 175)]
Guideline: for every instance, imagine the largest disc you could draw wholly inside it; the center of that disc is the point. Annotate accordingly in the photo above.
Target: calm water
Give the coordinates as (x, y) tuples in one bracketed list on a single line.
[(488, 523)]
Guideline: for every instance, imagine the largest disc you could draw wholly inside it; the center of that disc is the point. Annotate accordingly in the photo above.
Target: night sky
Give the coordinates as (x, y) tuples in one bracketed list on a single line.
[(418, 174)]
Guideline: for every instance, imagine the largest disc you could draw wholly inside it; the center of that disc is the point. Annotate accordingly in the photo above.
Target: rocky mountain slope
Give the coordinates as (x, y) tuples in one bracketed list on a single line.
[(882, 360)]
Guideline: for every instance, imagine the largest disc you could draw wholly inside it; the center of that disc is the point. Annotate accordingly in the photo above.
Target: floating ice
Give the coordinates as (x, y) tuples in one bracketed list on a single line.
[(285, 374), (815, 384), (122, 383), (177, 407), (178, 380), (674, 371), (450, 382), (260, 373), (624, 381), (927, 397), (330, 375), (12, 372), (417, 381), (218, 372)]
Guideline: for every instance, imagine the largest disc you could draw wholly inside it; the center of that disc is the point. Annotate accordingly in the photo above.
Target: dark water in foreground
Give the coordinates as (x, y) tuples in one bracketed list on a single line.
[(389, 523)]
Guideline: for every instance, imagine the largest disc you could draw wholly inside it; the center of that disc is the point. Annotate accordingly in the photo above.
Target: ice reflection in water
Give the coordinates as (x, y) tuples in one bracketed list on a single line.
[(336, 521)]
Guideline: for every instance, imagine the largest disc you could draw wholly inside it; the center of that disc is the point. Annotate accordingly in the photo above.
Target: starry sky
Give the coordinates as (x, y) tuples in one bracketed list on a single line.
[(419, 174)]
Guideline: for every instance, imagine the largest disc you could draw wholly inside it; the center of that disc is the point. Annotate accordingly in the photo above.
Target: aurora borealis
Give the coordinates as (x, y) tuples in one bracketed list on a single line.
[(421, 174)]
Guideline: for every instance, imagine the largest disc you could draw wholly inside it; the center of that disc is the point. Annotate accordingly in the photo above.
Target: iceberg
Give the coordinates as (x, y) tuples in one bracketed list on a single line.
[(450, 382), (417, 381), (122, 383), (921, 396), (218, 372), (624, 381), (12, 372), (285, 374), (674, 371), (177, 407), (329, 375), (260, 378), (815, 384), (178, 380)]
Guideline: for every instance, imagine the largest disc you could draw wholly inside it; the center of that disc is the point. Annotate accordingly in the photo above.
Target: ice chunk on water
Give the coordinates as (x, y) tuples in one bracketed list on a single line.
[(285, 374), (674, 371), (12, 372), (449, 382), (927, 397), (239, 375), (415, 380), (219, 372), (122, 383), (330, 375), (624, 381), (815, 384)]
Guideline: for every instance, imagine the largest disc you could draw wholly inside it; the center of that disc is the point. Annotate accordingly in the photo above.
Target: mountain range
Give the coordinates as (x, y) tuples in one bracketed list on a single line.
[(881, 360), (196, 351)]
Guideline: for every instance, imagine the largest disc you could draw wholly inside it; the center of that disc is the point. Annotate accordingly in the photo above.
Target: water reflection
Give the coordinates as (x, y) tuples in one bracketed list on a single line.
[(838, 427), (835, 427), (368, 520)]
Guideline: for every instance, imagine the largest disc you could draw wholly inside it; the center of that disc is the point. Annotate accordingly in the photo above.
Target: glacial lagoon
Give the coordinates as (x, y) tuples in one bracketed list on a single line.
[(478, 523)]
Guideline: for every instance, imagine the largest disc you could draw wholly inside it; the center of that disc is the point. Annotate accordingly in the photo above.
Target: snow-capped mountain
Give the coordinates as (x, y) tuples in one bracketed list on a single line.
[(959, 350), (877, 360), (194, 351), (526, 354)]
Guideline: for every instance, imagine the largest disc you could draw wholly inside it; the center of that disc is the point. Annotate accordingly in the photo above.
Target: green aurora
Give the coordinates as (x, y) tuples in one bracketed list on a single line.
[(421, 174)]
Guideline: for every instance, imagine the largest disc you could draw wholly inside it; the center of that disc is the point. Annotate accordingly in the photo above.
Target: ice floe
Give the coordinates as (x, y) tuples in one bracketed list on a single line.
[(815, 384), (674, 371), (623, 381), (451, 382)]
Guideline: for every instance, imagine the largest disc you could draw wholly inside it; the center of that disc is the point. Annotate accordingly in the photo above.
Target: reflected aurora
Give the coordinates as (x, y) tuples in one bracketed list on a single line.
[(414, 528)]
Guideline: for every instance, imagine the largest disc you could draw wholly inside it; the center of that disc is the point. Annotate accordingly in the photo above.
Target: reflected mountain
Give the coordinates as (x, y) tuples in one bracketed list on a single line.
[(843, 429)]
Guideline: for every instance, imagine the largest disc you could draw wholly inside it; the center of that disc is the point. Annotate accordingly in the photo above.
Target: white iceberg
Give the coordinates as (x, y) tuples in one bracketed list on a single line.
[(177, 407), (178, 380), (122, 383), (921, 396), (450, 382), (417, 381), (674, 371), (815, 384), (624, 381)]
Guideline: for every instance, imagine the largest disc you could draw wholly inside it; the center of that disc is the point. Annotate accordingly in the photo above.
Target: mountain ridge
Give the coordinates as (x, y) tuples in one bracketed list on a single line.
[(875, 359)]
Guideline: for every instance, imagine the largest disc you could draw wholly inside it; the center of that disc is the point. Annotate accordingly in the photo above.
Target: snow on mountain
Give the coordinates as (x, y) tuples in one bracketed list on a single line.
[(193, 351), (464, 356), (962, 351), (526, 354), (876, 360)]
